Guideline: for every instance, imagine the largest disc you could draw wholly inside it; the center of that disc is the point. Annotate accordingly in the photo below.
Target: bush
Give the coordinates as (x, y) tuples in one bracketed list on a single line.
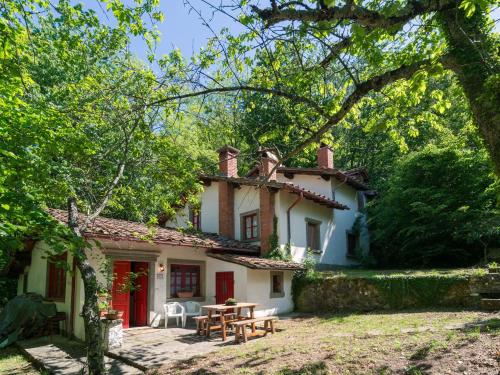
[(438, 210), (8, 290)]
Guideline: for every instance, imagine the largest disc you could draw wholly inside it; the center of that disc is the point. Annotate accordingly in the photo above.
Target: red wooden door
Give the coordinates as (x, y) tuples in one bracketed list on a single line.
[(224, 286), (121, 301), (141, 294)]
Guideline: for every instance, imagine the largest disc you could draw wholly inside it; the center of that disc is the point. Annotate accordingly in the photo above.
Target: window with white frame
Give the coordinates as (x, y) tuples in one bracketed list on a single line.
[(277, 284)]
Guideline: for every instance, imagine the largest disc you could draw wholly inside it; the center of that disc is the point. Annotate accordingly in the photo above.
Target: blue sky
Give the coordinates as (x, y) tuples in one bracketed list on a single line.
[(184, 29)]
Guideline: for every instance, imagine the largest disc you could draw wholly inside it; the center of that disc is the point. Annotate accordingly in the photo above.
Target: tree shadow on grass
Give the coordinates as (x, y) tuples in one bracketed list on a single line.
[(313, 368)]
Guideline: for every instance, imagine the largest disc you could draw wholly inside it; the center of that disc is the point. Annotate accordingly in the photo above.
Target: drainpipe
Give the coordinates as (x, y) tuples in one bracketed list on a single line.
[(289, 234)]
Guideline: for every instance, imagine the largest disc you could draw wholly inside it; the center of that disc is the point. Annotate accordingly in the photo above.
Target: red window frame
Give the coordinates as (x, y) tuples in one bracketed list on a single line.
[(313, 235), (185, 276), (250, 224), (277, 283), (56, 278)]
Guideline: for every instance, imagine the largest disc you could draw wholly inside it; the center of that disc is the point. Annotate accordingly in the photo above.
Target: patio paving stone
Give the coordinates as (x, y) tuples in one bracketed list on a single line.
[(153, 347), (59, 355)]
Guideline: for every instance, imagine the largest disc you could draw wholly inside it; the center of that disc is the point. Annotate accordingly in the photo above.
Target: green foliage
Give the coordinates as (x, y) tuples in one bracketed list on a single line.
[(276, 251), (438, 209), (8, 289), (304, 277)]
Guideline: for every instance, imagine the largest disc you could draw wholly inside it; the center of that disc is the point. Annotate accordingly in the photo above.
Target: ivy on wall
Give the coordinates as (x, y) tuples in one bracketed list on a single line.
[(422, 290), (323, 291)]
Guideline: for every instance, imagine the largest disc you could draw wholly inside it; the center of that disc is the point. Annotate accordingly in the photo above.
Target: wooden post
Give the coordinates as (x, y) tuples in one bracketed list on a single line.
[(252, 316), (223, 325)]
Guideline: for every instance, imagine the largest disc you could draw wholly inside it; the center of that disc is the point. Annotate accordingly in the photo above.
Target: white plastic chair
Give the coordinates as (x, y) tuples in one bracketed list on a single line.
[(191, 309), (174, 310)]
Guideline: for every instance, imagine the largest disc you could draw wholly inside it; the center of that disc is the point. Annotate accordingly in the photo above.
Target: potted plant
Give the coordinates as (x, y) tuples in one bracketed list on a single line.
[(185, 293), (493, 267), (230, 302), (113, 314)]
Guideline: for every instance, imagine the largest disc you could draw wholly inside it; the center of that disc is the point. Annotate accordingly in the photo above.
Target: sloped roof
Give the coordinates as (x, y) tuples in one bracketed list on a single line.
[(291, 188), (349, 179), (353, 177), (256, 262), (132, 231)]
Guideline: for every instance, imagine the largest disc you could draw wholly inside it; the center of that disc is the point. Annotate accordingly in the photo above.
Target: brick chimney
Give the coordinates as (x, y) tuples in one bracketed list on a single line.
[(228, 167), (325, 156), (228, 162), (267, 200), (267, 162)]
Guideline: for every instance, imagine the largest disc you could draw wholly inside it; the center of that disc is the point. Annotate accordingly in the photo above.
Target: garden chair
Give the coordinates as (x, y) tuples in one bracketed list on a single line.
[(174, 310), (191, 309)]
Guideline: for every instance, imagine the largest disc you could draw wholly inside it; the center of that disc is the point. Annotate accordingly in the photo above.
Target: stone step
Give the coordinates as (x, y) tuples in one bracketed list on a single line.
[(490, 304)]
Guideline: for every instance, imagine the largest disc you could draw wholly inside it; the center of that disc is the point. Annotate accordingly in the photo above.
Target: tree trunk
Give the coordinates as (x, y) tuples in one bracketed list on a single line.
[(474, 57), (93, 338), (91, 319)]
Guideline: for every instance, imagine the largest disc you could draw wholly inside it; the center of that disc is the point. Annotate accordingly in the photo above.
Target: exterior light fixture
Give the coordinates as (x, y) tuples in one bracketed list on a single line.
[(162, 267)]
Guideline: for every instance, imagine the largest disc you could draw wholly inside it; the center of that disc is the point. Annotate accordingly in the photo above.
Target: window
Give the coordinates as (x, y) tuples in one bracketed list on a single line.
[(56, 277), (184, 278), (194, 217), (312, 234), (277, 288), (250, 226), (352, 241)]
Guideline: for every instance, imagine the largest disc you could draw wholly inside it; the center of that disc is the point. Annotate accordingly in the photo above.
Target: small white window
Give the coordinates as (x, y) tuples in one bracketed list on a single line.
[(277, 287)]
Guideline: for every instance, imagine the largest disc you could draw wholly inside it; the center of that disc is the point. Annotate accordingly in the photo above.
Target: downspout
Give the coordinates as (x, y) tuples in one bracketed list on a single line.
[(71, 329), (289, 234)]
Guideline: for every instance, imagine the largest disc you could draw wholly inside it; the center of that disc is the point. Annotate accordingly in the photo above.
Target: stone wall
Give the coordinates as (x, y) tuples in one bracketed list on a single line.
[(391, 292)]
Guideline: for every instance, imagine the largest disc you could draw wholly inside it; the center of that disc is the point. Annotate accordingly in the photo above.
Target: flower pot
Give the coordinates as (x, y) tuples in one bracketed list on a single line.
[(184, 294), (102, 313), (111, 315)]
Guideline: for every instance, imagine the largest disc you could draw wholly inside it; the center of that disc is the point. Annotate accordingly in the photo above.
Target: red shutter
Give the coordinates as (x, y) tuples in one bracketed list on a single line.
[(56, 277)]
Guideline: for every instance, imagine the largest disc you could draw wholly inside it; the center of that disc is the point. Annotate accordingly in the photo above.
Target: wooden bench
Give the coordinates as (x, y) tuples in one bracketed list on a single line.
[(240, 326), (202, 320)]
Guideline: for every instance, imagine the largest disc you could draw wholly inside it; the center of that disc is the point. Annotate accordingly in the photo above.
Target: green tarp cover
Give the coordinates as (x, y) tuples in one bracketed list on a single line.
[(23, 316)]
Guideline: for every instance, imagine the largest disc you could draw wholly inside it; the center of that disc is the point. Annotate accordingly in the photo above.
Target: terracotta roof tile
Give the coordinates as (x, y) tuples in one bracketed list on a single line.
[(294, 189), (256, 262), (348, 178), (128, 230)]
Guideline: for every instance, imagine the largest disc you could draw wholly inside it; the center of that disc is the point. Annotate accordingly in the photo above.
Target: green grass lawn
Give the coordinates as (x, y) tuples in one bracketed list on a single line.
[(12, 362), (408, 342)]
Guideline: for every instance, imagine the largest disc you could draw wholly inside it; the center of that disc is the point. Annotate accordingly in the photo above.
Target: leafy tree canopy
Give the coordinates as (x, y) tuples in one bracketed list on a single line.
[(439, 208)]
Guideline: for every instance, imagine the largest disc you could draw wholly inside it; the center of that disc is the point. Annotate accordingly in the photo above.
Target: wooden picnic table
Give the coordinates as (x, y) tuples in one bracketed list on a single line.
[(223, 310)]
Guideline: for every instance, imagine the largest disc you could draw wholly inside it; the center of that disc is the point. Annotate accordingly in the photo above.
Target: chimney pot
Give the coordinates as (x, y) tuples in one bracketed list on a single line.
[(325, 156), (228, 162), (267, 162)]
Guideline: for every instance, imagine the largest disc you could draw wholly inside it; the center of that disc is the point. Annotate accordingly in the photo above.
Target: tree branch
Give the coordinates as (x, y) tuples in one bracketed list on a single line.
[(350, 11), (293, 97), (375, 83), (114, 183)]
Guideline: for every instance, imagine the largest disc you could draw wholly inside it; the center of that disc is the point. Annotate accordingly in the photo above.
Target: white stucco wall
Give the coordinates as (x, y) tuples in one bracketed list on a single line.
[(259, 291), (210, 208), (249, 285), (180, 220), (305, 209), (246, 199), (344, 220), (309, 182), (334, 223)]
